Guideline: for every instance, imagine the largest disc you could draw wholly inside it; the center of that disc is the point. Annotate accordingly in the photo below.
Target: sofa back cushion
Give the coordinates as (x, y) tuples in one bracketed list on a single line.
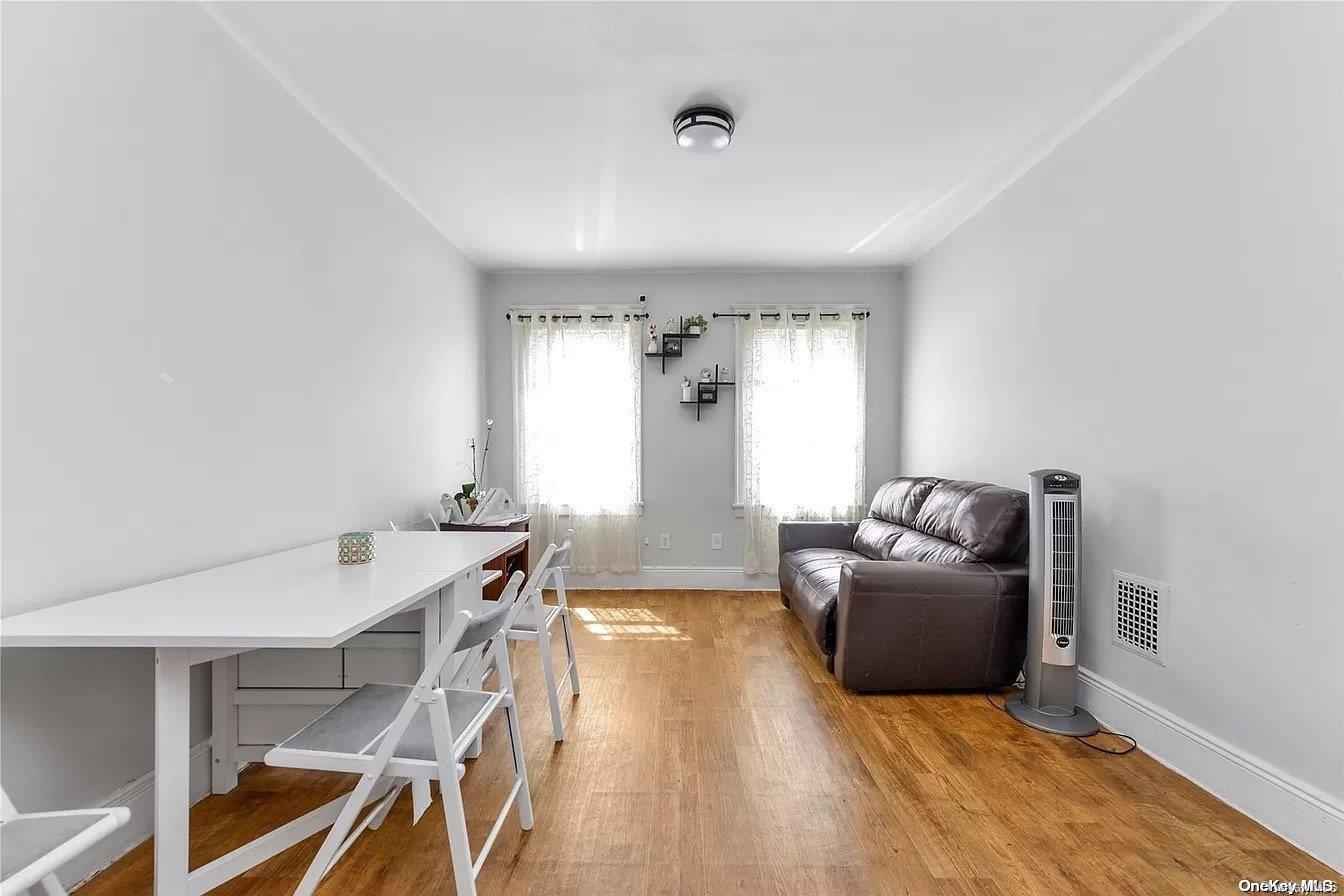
[(944, 521)]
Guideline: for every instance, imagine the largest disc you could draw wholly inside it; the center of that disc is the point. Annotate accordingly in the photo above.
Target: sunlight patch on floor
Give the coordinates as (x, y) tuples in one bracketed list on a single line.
[(627, 624)]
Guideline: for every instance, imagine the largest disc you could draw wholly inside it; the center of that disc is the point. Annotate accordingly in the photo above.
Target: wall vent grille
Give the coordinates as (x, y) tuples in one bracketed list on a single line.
[(1140, 610)]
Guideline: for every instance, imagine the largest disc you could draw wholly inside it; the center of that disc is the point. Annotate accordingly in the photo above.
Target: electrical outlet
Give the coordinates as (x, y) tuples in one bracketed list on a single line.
[(664, 542), (716, 541)]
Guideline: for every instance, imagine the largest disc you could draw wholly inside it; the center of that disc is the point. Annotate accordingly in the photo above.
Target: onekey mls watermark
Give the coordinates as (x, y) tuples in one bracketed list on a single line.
[(1320, 885)]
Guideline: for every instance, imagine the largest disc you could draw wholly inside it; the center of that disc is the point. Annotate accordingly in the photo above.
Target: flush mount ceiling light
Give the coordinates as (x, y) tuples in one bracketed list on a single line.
[(703, 128)]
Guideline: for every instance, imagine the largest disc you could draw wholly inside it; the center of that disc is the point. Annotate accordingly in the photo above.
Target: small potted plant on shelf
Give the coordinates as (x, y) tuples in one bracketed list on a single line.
[(696, 325)]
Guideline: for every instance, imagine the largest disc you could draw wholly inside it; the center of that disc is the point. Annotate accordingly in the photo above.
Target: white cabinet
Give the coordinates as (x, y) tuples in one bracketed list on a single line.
[(386, 657), (290, 669), (402, 622), (281, 690), (269, 725)]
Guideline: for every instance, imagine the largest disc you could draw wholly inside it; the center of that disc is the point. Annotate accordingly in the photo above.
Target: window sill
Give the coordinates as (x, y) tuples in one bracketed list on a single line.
[(564, 511)]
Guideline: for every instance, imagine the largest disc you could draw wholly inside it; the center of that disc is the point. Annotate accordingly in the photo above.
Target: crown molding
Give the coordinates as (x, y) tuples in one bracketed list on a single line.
[(942, 215), (310, 105)]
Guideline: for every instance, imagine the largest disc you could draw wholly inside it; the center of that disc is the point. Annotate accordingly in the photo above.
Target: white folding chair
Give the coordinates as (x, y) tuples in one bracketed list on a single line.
[(535, 621), (426, 523), (35, 844), (392, 735)]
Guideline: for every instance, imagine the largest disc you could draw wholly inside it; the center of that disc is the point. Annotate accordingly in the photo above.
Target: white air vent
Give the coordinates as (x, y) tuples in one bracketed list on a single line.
[(1140, 614)]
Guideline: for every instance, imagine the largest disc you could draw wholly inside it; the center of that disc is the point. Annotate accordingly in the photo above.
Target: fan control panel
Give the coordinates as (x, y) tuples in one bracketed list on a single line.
[(1062, 484)]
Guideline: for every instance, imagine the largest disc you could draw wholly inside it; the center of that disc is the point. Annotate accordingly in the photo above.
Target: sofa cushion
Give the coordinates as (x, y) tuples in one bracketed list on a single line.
[(944, 521), (899, 500), (811, 579), (990, 521)]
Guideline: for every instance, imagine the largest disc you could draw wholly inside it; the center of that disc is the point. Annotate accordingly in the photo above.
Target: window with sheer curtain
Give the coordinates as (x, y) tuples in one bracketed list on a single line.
[(801, 388), (577, 434)]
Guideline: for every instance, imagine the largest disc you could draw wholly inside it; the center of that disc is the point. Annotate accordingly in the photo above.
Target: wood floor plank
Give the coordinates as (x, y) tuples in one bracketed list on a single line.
[(711, 753)]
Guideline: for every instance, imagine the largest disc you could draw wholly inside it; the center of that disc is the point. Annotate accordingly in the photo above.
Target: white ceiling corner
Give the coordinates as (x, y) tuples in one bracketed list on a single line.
[(312, 107)]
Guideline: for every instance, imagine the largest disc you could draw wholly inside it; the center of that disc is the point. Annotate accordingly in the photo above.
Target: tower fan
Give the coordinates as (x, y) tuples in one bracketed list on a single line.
[(1050, 701)]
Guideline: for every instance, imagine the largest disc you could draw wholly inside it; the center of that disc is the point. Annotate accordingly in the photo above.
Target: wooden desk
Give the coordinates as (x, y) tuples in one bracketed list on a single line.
[(506, 564), (301, 598)]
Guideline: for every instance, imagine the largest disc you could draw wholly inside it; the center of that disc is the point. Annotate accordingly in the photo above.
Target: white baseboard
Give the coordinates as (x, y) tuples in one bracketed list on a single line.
[(1293, 809), (717, 578), (138, 796)]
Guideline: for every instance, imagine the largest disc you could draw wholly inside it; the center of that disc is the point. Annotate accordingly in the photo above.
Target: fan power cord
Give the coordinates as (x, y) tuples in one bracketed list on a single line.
[(1083, 739)]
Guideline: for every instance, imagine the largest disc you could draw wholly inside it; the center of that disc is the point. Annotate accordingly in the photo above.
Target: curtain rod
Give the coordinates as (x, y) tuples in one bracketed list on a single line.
[(746, 315), (625, 314), (509, 315)]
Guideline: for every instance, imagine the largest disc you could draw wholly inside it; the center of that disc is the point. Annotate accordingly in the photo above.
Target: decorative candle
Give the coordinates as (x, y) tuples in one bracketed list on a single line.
[(355, 547)]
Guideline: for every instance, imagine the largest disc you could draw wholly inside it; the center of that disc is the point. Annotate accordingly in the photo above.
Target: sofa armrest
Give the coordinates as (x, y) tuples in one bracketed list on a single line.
[(795, 535), (904, 625)]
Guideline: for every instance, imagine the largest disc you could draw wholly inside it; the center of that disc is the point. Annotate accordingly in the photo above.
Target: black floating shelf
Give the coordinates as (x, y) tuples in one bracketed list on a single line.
[(677, 336), (714, 385)]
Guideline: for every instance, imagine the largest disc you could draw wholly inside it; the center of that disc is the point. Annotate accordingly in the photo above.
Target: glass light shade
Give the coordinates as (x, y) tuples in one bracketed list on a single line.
[(703, 138), (703, 129)]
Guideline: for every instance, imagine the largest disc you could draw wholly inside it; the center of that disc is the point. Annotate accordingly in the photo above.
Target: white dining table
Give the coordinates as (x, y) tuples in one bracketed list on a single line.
[(296, 598)]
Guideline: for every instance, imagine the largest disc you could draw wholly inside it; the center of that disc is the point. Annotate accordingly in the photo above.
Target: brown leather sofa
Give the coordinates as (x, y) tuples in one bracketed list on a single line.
[(928, 593)]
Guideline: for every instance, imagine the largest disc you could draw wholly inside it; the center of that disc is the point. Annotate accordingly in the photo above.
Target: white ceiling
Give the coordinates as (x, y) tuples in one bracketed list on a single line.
[(539, 134)]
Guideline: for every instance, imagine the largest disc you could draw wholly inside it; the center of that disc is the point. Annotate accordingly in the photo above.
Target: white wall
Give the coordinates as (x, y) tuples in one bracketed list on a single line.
[(222, 336), (688, 466), (1158, 305)]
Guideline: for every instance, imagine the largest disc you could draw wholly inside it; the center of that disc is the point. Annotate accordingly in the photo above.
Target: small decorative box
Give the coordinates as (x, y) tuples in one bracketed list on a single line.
[(355, 547)]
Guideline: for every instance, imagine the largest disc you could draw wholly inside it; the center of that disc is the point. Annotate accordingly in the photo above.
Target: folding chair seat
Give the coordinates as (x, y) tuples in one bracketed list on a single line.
[(394, 734), (36, 844), (356, 725), (425, 523)]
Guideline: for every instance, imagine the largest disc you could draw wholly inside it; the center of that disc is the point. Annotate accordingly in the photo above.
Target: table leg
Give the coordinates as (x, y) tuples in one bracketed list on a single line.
[(224, 727), (172, 771), (431, 629)]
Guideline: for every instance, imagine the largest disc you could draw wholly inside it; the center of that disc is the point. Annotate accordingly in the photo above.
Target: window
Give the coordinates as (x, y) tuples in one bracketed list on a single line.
[(801, 393), (577, 425)]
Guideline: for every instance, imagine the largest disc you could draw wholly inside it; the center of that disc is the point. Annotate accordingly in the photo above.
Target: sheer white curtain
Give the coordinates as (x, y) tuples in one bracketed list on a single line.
[(802, 393), (577, 434)]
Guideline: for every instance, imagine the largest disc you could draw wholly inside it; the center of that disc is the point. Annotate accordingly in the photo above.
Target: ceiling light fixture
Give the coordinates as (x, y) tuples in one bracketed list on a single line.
[(703, 128)]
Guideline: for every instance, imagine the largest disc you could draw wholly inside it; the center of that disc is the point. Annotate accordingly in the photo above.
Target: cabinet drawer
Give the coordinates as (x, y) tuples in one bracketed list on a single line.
[(270, 725), (382, 657), (411, 621), (290, 668)]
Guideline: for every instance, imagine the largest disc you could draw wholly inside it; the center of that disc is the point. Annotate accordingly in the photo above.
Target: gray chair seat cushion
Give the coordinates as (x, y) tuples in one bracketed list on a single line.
[(28, 838), (355, 726), (526, 621), (813, 585)]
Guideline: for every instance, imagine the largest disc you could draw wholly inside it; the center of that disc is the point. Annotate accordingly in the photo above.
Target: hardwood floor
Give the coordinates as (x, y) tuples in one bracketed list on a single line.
[(710, 752)]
